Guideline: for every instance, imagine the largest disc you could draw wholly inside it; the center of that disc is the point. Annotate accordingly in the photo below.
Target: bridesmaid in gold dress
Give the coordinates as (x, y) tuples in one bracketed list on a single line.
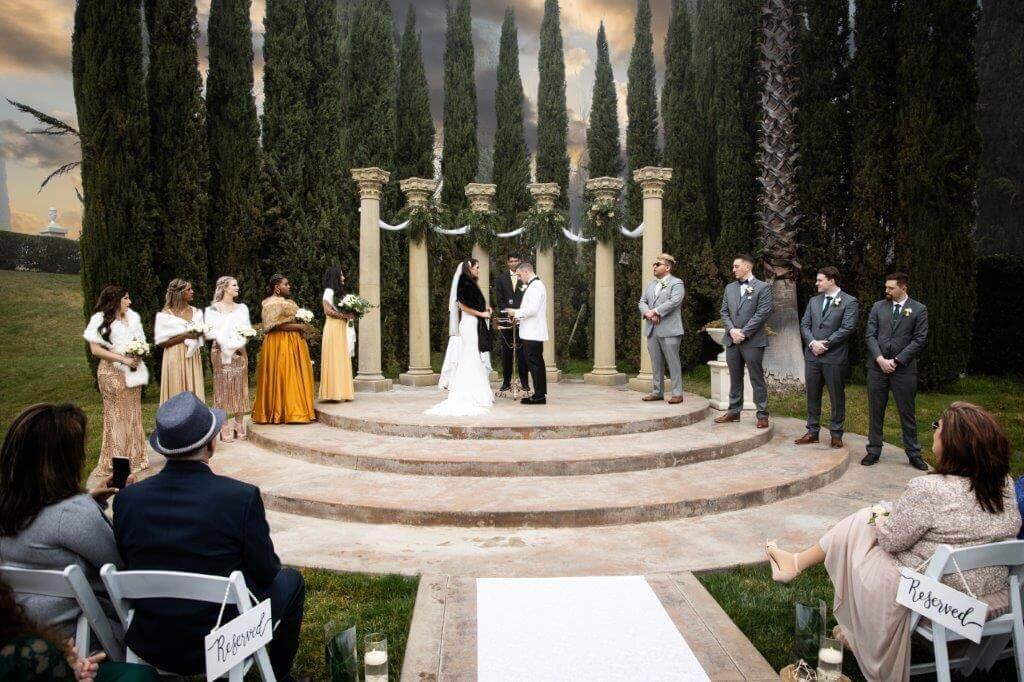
[(335, 361), (284, 375), (120, 378), (225, 317), (182, 367)]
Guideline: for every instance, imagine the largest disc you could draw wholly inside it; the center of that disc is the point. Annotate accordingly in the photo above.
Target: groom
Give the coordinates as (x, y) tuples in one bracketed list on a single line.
[(533, 331)]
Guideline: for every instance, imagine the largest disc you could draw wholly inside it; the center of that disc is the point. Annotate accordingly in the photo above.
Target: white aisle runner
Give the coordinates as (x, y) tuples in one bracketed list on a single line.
[(587, 629)]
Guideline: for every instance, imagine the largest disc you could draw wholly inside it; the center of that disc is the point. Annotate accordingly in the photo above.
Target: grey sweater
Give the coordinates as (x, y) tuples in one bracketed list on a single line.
[(72, 531), (942, 510)]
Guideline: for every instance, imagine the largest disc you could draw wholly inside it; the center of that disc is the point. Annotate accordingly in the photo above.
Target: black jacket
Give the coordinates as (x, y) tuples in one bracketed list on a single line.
[(468, 294), (187, 518), (507, 296)]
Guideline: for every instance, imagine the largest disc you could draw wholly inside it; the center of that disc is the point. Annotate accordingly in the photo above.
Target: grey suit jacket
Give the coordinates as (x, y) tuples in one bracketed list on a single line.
[(835, 327), (668, 301), (747, 313), (903, 341)]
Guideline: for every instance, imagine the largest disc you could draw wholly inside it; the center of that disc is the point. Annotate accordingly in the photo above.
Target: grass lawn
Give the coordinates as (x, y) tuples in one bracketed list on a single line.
[(43, 360)]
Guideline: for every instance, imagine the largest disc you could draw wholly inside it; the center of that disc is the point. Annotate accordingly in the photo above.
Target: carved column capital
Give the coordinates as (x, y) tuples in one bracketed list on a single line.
[(417, 190), (370, 181), (545, 194), (652, 180), (481, 196)]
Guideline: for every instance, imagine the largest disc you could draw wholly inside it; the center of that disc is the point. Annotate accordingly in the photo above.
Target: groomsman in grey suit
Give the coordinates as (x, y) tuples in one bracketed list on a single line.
[(746, 304), (663, 327), (897, 332), (828, 323)]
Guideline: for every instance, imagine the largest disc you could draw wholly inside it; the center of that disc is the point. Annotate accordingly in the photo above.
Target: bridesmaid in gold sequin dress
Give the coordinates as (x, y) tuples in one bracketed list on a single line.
[(120, 377), (225, 317)]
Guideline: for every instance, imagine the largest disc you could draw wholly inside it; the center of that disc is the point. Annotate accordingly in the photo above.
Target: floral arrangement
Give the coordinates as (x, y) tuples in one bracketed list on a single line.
[(878, 511), (355, 305), (247, 333), (422, 220), (137, 348), (544, 226), (604, 219), (304, 316), (199, 328), (482, 227)]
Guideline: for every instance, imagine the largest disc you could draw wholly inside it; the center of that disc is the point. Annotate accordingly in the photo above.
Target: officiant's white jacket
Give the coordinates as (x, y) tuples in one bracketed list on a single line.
[(533, 312)]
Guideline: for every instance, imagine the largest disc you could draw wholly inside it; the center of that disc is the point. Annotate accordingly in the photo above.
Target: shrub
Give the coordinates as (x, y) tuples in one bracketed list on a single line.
[(997, 326), (44, 254)]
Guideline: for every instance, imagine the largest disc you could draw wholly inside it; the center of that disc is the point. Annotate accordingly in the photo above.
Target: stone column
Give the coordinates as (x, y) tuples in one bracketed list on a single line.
[(606, 191), (481, 200), (545, 193), (371, 181), (417, 193), (652, 184)]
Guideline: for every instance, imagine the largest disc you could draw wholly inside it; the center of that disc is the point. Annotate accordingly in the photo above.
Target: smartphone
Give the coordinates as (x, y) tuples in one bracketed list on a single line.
[(121, 471)]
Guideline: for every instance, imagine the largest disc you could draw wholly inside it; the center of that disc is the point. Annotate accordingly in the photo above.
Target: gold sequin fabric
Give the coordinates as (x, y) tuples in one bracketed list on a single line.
[(230, 381), (122, 421)]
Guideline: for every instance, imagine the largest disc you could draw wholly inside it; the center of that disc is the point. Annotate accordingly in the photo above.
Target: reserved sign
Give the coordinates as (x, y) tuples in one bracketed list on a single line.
[(942, 604), (230, 644)]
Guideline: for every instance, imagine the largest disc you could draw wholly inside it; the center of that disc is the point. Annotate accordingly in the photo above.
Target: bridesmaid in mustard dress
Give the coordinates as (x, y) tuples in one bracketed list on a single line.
[(182, 366), (335, 361), (284, 374)]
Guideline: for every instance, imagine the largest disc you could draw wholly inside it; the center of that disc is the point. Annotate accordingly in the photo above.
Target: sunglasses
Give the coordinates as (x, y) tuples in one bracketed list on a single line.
[(657, 263), (936, 424)]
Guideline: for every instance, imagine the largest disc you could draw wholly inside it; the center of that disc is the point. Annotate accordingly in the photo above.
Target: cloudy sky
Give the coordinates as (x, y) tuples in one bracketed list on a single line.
[(35, 58)]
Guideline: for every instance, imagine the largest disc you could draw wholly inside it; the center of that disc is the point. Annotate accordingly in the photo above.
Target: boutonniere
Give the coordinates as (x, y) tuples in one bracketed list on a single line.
[(836, 301), (662, 285), (522, 287), (906, 312)]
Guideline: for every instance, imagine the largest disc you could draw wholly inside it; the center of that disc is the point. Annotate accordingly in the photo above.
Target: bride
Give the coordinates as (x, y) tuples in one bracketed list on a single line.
[(468, 384)]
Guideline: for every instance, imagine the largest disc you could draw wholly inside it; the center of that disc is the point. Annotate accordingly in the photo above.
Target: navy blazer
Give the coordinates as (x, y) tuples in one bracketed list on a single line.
[(187, 518)]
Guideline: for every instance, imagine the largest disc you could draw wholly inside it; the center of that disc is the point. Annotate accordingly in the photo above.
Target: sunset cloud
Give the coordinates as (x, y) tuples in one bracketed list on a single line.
[(35, 35), (43, 151)]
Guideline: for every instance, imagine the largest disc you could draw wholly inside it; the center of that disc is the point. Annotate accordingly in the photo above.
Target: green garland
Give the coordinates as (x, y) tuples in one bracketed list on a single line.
[(604, 219), (543, 227), (482, 227), (422, 220)]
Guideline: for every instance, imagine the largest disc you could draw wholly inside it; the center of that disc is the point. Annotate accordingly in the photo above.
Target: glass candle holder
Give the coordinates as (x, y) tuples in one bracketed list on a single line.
[(830, 660), (375, 658)]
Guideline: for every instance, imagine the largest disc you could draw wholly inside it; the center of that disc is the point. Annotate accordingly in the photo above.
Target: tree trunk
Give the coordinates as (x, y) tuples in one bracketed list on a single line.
[(784, 357)]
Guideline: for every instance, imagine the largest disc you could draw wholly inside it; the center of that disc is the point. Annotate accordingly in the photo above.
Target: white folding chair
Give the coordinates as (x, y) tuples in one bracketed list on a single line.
[(997, 632), (124, 586), (70, 583)]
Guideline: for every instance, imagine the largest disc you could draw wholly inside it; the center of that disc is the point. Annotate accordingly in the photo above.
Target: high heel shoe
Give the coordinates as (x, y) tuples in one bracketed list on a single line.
[(240, 431), (778, 574), (227, 434)]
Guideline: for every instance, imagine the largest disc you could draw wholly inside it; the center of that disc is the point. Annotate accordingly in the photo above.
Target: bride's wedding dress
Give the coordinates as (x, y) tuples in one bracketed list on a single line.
[(469, 385)]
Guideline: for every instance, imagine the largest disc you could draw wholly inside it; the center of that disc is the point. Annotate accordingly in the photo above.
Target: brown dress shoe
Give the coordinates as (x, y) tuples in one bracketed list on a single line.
[(807, 438), (762, 422), (726, 418), (650, 397), (675, 400), (837, 442)]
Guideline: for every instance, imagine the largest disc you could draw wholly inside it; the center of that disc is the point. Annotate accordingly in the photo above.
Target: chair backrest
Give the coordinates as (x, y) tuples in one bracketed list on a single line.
[(70, 583), (946, 561), (123, 586)]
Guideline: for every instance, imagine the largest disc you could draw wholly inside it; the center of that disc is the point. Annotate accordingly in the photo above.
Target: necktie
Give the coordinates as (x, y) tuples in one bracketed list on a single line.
[(828, 300), (896, 313)]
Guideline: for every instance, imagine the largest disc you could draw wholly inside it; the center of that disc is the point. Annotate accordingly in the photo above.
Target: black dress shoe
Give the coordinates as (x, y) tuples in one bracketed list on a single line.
[(534, 401), (869, 459), (505, 387), (918, 463)]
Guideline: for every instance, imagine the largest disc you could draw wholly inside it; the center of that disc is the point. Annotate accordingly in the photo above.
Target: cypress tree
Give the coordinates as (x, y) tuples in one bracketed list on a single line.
[(824, 173), (460, 156), (641, 108), (603, 148), (937, 172), (685, 231), (1001, 101), (511, 162), (873, 121), (110, 99), (371, 121), (552, 119), (177, 146), (734, 110), (414, 151), (327, 179), (291, 246), (233, 140)]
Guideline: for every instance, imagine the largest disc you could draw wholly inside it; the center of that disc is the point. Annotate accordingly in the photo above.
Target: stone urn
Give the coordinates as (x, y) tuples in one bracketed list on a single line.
[(720, 376)]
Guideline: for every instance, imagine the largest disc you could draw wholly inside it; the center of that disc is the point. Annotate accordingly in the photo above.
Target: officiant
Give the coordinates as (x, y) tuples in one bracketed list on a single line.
[(508, 293)]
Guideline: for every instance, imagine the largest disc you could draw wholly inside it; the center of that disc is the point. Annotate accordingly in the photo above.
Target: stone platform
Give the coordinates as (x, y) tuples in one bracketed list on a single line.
[(595, 482)]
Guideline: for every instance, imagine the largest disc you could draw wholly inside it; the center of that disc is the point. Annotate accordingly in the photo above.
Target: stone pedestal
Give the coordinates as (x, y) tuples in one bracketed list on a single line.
[(371, 181), (545, 193), (417, 192), (652, 185), (606, 190), (720, 378)]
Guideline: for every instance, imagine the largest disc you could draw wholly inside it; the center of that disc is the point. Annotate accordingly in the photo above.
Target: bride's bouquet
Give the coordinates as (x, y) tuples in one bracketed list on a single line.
[(355, 305), (198, 328), (246, 334), (304, 316)]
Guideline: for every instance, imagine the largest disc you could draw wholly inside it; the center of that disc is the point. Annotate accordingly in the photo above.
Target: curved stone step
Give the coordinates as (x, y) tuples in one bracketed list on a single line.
[(681, 446), (761, 476), (573, 411)]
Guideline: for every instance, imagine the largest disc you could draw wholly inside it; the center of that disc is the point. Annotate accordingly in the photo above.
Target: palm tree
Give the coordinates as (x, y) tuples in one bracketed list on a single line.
[(778, 206)]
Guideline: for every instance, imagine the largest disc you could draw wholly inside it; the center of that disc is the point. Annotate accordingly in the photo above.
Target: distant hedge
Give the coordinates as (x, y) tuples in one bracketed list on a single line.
[(45, 254), (998, 324)]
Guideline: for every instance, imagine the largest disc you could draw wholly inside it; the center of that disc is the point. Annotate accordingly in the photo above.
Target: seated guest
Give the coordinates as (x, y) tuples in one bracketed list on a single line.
[(968, 500), (46, 521), (29, 652), (187, 518)]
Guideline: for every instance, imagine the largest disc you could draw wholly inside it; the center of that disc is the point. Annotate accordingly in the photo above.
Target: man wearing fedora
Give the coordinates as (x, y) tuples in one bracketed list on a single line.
[(187, 518)]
